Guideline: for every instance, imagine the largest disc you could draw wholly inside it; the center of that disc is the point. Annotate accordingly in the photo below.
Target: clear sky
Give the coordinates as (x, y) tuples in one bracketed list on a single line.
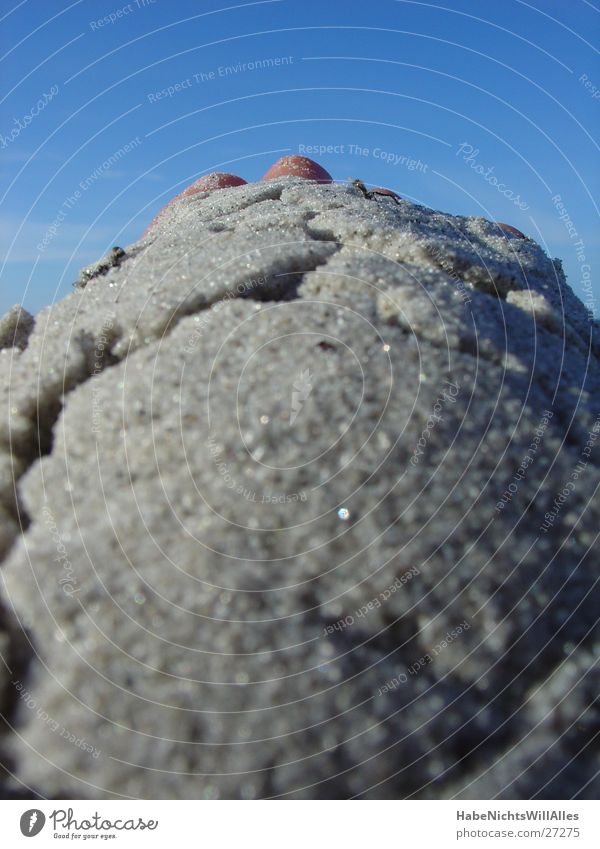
[(473, 107)]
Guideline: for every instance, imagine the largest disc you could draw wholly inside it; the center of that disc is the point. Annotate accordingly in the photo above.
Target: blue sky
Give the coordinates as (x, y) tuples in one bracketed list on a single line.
[(433, 100)]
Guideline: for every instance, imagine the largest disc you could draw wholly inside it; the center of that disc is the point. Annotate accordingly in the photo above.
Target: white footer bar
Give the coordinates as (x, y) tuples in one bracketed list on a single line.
[(301, 824)]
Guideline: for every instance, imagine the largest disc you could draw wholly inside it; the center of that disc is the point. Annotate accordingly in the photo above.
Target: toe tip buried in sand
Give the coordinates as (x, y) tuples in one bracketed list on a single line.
[(208, 183), (386, 192), (298, 166), (508, 230)]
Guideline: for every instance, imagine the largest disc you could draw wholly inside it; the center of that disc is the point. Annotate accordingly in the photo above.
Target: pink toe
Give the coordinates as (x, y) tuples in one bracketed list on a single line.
[(208, 183), (216, 180), (298, 166)]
